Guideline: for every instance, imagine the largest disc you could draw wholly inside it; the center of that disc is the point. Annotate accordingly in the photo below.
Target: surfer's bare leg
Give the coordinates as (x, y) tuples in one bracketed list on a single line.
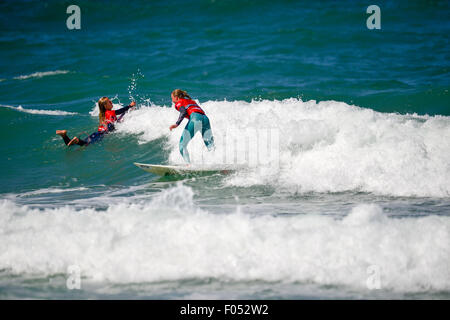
[(61, 132), (75, 140)]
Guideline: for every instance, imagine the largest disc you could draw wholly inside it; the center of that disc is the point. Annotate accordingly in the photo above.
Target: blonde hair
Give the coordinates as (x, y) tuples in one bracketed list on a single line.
[(180, 94), (102, 109)]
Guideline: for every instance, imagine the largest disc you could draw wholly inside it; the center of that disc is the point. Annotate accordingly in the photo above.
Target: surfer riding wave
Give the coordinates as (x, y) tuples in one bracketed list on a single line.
[(198, 121)]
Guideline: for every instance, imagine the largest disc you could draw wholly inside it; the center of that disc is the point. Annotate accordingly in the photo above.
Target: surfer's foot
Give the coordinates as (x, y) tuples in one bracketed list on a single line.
[(61, 132), (73, 141)]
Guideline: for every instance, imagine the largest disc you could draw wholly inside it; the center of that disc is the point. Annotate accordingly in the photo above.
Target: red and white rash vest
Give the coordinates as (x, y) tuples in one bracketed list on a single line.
[(190, 105), (110, 117)]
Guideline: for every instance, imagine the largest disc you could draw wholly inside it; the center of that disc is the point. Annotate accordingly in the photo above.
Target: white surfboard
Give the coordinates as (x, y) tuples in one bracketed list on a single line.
[(166, 170)]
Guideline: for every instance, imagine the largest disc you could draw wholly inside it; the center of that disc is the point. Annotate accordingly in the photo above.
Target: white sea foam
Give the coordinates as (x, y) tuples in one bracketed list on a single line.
[(323, 147), (44, 112), (41, 74), (170, 238), (51, 191)]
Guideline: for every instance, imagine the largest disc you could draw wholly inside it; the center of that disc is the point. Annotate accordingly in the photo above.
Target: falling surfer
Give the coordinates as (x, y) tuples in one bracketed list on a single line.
[(107, 118)]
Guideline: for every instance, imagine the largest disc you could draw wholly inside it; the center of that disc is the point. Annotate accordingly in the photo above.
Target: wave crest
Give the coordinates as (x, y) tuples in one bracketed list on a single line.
[(324, 146), (43, 112), (41, 74)]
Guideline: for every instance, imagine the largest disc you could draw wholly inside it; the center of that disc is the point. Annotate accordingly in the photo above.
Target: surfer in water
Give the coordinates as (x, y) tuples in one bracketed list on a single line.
[(198, 121), (107, 118)]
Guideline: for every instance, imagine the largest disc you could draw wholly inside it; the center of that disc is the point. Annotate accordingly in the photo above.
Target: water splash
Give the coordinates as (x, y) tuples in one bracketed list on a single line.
[(133, 92)]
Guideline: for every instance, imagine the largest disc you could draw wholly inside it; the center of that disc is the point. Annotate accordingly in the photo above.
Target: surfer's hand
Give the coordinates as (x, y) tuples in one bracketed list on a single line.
[(173, 127), (132, 104)]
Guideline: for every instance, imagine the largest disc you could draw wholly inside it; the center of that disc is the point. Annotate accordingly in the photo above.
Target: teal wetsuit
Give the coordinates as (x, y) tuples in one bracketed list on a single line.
[(197, 122)]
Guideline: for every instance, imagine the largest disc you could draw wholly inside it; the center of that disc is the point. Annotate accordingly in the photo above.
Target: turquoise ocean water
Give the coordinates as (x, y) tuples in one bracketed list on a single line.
[(355, 204)]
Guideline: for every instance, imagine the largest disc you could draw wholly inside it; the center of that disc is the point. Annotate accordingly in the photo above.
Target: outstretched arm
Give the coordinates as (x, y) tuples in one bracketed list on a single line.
[(183, 113), (125, 109)]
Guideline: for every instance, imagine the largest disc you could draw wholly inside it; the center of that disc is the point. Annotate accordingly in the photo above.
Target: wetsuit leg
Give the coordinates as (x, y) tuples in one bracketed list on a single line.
[(94, 137), (66, 139), (188, 134), (208, 138), (197, 122), (82, 142)]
